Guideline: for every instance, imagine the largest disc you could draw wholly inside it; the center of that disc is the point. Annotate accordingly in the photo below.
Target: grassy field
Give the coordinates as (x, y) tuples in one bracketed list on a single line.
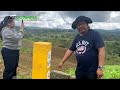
[(110, 72), (25, 64)]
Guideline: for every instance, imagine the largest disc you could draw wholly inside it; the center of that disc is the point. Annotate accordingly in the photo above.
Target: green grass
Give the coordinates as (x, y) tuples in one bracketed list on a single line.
[(70, 71), (20, 76), (110, 72), (27, 46)]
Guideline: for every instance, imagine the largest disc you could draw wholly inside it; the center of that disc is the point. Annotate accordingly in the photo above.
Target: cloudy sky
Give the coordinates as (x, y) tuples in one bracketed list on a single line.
[(63, 19)]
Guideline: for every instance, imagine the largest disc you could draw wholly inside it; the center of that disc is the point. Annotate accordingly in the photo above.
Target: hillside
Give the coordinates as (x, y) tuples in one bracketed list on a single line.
[(61, 40)]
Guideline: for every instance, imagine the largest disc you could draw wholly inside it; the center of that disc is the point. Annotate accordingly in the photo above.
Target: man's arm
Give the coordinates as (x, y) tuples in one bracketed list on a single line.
[(68, 53), (66, 56), (101, 60), (101, 56)]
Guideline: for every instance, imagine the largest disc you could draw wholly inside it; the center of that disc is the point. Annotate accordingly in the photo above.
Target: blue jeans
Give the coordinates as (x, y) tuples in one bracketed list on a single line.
[(11, 59), (85, 75)]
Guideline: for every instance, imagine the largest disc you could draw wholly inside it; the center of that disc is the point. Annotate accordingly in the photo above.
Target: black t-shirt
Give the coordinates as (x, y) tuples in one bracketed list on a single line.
[(86, 49)]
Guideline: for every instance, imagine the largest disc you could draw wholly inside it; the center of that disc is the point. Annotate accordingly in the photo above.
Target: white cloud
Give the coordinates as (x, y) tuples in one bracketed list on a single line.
[(105, 25), (54, 19), (114, 14)]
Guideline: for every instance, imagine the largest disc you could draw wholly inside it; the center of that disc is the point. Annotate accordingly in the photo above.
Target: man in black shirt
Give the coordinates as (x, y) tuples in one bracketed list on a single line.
[(89, 48)]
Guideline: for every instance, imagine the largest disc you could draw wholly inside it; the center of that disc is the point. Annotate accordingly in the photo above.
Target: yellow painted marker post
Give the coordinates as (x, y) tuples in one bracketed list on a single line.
[(41, 60)]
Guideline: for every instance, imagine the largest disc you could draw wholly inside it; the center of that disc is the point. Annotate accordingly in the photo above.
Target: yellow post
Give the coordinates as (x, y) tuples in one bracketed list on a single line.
[(41, 60)]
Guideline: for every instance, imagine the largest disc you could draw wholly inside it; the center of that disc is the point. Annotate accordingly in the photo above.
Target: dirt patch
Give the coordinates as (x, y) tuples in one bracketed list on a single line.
[(1, 70), (25, 62)]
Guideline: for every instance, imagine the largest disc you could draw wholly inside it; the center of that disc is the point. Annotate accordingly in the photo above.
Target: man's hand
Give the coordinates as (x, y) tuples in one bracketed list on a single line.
[(60, 64), (99, 73)]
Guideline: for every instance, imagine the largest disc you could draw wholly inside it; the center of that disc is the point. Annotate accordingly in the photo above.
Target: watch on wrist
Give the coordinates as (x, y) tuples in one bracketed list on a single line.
[(101, 67)]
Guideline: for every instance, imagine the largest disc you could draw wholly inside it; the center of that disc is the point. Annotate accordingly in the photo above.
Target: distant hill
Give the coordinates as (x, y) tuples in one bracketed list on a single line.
[(49, 32), (110, 35), (70, 30)]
